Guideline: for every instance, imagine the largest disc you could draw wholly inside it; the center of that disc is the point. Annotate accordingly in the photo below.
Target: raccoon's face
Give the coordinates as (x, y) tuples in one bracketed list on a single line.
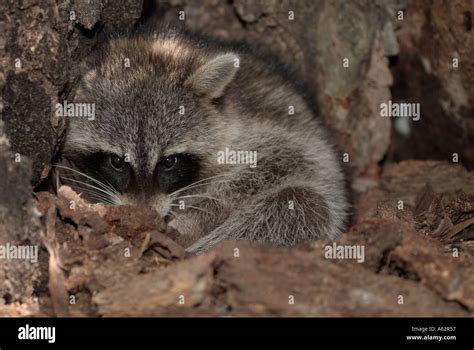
[(154, 130)]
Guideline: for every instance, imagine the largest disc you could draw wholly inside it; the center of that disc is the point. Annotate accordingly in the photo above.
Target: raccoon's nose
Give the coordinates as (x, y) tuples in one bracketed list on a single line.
[(142, 188), (145, 197), (161, 203)]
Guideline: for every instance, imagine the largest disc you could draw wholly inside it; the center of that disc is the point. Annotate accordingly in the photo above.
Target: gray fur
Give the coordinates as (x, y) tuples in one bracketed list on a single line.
[(137, 113)]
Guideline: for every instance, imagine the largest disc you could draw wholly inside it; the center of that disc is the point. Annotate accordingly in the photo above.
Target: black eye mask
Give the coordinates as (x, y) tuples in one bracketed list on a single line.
[(176, 171), (171, 173), (111, 169)]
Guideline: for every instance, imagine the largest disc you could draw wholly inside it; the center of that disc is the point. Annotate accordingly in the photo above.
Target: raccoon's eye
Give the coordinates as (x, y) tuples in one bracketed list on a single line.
[(169, 162), (176, 171), (116, 161)]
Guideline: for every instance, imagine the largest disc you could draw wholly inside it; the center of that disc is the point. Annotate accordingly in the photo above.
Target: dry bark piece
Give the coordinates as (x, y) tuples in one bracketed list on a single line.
[(160, 292), (444, 217), (450, 275), (320, 287), (426, 207), (93, 246), (444, 226), (19, 225), (453, 231), (57, 280)]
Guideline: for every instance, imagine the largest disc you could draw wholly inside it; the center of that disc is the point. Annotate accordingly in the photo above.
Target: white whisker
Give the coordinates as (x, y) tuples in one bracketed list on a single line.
[(104, 186), (112, 196), (96, 195), (198, 196), (176, 216), (192, 185), (192, 207), (199, 185)]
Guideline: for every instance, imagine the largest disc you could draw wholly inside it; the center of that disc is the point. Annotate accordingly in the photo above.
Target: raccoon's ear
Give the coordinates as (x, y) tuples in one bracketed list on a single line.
[(212, 77)]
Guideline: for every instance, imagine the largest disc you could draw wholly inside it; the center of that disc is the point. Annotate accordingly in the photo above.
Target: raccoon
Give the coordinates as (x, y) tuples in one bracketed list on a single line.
[(216, 137)]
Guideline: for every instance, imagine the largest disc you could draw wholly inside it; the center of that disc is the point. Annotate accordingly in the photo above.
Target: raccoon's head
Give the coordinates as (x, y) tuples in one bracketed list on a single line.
[(156, 104)]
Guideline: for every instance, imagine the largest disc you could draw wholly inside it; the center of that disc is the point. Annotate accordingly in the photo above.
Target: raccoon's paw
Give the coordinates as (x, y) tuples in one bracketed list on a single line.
[(283, 216)]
